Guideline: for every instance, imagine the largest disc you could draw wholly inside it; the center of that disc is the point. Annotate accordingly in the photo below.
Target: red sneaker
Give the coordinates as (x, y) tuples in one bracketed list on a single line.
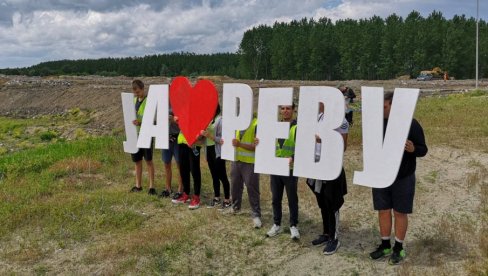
[(195, 202), (183, 198)]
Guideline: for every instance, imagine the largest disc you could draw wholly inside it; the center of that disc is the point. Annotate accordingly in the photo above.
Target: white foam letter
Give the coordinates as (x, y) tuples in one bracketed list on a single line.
[(236, 114), (330, 164), (157, 100), (382, 157), (269, 130), (130, 145)]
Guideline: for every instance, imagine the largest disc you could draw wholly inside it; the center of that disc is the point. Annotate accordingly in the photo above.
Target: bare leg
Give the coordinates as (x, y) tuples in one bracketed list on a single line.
[(138, 174), (150, 170), (169, 173), (384, 217), (401, 224)]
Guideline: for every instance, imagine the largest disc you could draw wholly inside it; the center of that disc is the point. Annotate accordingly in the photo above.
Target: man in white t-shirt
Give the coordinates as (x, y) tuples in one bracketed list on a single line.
[(330, 195)]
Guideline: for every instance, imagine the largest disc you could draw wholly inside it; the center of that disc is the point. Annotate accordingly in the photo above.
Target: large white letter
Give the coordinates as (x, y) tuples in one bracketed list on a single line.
[(236, 114), (330, 164), (130, 145), (382, 157), (269, 130), (157, 100)]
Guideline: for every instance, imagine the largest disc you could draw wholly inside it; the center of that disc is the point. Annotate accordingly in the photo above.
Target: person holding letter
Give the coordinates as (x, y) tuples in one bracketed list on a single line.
[(147, 154), (329, 194), (399, 196)]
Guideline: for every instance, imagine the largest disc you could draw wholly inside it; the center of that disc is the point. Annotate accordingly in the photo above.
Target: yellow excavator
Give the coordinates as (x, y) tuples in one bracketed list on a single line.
[(435, 73)]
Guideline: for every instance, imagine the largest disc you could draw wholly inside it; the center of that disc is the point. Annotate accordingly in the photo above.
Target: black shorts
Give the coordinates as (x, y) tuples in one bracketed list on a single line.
[(147, 154), (398, 196)]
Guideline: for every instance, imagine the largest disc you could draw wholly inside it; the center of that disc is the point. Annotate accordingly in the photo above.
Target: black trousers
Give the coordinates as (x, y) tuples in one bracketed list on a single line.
[(189, 162), (330, 199), (218, 172), (278, 184)]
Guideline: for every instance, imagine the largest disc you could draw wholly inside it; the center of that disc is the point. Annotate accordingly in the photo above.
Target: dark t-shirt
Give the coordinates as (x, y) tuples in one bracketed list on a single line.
[(409, 163)]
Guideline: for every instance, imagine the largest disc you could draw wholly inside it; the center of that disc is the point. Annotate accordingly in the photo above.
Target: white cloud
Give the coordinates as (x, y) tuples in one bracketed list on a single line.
[(34, 31)]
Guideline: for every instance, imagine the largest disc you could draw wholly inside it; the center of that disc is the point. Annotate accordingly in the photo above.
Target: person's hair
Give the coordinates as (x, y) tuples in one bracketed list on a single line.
[(138, 83), (389, 96)]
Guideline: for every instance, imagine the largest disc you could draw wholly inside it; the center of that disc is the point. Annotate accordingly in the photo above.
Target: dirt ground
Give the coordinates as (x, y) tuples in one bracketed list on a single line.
[(32, 96)]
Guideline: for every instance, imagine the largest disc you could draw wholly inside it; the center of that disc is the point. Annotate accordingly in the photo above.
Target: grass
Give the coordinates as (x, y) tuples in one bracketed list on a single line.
[(64, 208)]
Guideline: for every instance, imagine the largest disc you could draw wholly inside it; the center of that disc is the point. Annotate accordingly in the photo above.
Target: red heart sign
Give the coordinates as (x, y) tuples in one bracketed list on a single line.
[(194, 106)]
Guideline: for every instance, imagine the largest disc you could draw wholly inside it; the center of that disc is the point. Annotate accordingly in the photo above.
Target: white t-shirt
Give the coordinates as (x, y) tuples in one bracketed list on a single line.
[(343, 129)]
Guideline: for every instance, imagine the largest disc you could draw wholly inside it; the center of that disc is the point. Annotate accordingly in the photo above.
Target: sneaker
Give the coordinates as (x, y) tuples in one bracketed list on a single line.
[(214, 203), (183, 198), (397, 257), (135, 189), (331, 246), (225, 205), (257, 222), (380, 252), (321, 239), (177, 195), (275, 230), (195, 202), (295, 235), (152, 191), (165, 193)]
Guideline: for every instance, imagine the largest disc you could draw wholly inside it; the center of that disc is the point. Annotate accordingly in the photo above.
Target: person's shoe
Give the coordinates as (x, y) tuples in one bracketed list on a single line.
[(152, 191), (275, 230), (321, 239), (177, 195), (225, 205), (183, 198), (397, 257), (331, 246), (214, 203), (135, 189), (165, 193), (380, 252), (294, 234), (257, 222), (195, 202)]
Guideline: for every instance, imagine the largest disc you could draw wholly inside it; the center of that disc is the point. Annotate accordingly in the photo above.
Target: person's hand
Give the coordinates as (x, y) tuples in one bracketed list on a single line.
[(136, 123), (236, 142), (204, 133), (290, 162), (317, 139), (221, 141), (256, 141), (409, 147), (176, 119)]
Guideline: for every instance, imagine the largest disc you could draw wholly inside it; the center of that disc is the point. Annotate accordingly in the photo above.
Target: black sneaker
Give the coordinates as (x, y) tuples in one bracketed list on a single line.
[(177, 195), (152, 191), (331, 246), (165, 193), (380, 252), (214, 203), (321, 239), (397, 257), (225, 205), (135, 189)]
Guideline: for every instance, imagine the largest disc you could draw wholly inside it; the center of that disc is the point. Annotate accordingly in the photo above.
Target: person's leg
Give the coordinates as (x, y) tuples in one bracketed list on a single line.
[(184, 152), (212, 166), (195, 171), (277, 187), (150, 170), (222, 173), (292, 195), (138, 167), (237, 184), (251, 180), (168, 175), (385, 222), (176, 153)]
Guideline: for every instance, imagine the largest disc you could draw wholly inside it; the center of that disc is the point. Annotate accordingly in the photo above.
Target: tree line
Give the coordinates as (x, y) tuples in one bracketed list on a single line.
[(309, 49)]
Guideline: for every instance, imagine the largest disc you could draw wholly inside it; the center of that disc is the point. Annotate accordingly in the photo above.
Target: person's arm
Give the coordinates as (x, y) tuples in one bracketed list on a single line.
[(237, 143), (416, 143), (344, 137)]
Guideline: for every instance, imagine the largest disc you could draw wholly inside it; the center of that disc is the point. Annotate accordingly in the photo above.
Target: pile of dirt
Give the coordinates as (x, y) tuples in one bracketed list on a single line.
[(32, 96)]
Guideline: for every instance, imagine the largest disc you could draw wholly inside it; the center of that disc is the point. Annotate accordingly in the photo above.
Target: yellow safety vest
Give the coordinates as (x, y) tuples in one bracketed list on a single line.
[(140, 112), (242, 154), (288, 148)]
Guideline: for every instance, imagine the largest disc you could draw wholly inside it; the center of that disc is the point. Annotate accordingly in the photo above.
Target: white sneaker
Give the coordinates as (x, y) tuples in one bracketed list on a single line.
[(295, 235), (257, 222), (275, 230)]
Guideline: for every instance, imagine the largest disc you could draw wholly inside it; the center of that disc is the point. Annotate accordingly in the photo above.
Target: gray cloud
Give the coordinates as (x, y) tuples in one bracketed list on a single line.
[(33, 31)]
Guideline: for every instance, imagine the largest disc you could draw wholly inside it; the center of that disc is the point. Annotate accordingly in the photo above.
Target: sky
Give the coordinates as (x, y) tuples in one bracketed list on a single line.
[(33, 31)]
